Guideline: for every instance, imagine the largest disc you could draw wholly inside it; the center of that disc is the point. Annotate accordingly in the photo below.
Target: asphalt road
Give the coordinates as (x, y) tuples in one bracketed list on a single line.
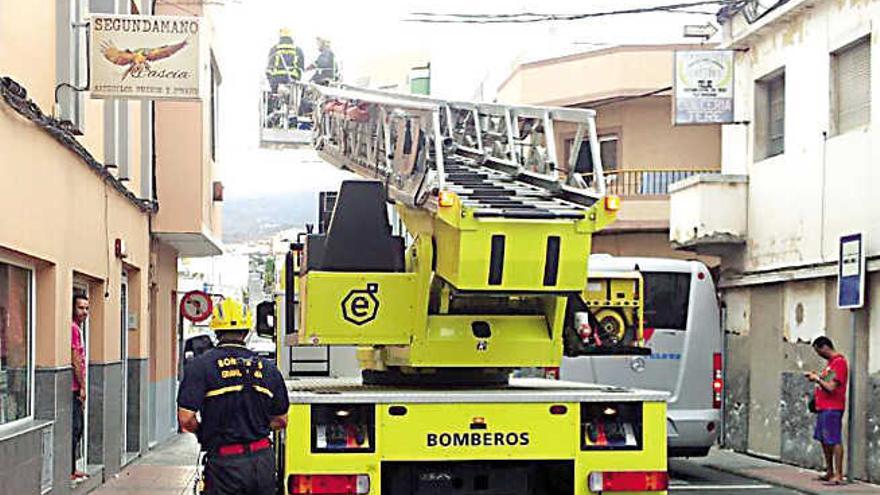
[(691, 478)]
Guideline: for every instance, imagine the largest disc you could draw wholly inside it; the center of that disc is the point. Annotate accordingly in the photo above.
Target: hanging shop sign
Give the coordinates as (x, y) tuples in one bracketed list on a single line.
[(146, 57)]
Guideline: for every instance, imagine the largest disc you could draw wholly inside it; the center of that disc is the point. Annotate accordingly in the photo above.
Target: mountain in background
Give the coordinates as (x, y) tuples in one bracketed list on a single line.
[(252, 219)]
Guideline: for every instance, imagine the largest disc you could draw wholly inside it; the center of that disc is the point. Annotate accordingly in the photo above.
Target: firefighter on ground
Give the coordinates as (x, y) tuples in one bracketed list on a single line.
[(325, 65), (232, 399)]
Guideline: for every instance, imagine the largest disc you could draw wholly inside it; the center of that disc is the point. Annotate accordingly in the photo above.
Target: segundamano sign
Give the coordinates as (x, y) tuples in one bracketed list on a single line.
[(151, 57)]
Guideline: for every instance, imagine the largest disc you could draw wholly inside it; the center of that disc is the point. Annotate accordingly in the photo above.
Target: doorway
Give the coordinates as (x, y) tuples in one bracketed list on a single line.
[(81, 455), (123, 357)]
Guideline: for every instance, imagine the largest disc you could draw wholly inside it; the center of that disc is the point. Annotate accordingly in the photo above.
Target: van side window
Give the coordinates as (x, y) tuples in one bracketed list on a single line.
[(666, 299)]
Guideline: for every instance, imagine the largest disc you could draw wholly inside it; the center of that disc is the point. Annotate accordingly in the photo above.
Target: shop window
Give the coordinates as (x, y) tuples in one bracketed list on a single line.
[(16, 343)]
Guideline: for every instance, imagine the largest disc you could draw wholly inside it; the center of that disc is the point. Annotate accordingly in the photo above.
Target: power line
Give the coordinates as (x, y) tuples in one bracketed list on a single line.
[(633, 97), (532, 17)]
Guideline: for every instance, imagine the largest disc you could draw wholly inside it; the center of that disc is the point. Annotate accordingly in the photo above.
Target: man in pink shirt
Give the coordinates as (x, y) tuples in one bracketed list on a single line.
[(78, 386)]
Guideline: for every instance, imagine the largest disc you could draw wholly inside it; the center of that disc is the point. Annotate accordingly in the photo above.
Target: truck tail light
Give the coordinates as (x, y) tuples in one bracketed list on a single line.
[(551, 373), (328, 484), (628, 481), (717, 380)]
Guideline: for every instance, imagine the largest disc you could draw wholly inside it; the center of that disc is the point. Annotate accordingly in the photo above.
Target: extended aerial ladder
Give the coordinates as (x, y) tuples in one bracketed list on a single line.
[(498, 233), (496, 242)]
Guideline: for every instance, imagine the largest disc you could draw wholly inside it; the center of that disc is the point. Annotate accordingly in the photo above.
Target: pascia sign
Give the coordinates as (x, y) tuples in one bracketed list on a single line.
[(146, 57)]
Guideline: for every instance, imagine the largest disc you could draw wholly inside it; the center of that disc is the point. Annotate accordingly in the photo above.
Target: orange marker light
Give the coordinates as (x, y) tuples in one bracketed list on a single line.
[(612, 202), (446, 198)]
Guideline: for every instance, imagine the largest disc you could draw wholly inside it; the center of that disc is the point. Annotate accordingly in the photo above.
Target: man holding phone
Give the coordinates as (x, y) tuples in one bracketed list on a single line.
[(830, 401)]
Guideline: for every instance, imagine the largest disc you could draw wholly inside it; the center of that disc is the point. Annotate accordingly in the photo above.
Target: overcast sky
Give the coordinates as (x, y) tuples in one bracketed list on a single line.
[(365, 32)]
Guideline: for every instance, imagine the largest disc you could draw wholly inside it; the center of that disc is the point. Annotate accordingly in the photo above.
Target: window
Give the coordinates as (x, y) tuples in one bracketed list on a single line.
[(16, 343), (851, 86), (770, 114), (667, 298), (607, 150)]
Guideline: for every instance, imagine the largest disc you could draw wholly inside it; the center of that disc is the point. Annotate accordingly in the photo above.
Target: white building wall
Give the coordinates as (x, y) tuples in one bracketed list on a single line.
[(821, 187)]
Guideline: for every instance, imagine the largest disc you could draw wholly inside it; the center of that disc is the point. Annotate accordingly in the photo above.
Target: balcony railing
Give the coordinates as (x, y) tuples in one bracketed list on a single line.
[(645, 182)]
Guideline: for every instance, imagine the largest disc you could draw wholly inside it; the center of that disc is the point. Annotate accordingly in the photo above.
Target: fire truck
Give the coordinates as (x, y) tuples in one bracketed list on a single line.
[(495, 240)]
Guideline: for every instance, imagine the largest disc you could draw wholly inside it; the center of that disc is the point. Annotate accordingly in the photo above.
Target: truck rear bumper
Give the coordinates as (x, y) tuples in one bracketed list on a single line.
[(477, 478)]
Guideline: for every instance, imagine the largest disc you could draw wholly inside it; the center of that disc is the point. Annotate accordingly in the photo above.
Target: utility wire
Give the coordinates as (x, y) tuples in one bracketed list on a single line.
[(633, 97), (532, 17)]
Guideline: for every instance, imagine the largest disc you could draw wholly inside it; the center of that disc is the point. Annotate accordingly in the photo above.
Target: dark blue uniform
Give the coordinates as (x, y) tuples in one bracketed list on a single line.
[(237, 393)]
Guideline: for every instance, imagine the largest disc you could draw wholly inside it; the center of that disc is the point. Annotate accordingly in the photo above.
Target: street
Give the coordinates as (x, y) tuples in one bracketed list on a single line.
[(691, 477)]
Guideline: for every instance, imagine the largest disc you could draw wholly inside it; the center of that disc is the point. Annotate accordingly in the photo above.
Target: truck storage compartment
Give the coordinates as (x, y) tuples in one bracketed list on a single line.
[(478, 478), (611, 426), (343, 428)]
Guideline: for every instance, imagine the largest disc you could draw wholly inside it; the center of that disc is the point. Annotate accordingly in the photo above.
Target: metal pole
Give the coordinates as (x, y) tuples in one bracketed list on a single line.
[(851, 416), (722, 433)]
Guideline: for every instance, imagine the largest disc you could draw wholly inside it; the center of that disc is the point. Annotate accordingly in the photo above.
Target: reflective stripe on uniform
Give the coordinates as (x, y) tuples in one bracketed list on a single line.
[(224, 390), (264, 390)]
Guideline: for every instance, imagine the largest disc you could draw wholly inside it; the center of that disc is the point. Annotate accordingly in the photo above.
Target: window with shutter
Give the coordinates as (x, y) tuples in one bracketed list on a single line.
[(851, 86), (776, 115), (770, 115)]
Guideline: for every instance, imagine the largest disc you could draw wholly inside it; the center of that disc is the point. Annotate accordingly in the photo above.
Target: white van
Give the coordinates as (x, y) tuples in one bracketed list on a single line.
[(683, 330)]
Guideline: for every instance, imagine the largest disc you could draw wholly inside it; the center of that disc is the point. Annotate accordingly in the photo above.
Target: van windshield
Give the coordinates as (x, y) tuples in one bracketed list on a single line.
[(666, 299)]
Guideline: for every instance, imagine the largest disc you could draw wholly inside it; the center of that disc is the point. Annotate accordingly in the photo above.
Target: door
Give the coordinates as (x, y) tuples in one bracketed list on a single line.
[(82, 289), (123, 356)]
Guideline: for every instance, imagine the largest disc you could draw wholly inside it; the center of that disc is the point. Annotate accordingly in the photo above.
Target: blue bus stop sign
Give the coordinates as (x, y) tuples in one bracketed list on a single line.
[(851, 272)]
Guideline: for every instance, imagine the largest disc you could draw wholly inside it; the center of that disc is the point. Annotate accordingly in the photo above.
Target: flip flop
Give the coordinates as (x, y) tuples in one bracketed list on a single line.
[(833, 483)]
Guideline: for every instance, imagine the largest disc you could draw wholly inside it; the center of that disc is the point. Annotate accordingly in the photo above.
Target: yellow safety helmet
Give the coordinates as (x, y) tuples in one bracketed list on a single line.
[(230, 314), (284, 32)]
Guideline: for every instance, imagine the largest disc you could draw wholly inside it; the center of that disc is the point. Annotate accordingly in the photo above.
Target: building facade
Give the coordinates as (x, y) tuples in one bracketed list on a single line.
[(100, 197), (642, 152), (799, 170)]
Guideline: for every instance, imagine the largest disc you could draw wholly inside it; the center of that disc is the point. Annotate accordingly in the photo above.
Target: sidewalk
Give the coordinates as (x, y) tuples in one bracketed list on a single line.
[(166, 470), (774, 473)]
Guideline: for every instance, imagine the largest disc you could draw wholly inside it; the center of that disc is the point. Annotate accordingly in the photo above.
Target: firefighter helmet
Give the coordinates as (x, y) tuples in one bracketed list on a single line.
[(230, 314)]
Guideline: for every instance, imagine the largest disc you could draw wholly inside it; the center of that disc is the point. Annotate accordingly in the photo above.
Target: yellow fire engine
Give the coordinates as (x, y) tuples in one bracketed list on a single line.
[(496, 240)]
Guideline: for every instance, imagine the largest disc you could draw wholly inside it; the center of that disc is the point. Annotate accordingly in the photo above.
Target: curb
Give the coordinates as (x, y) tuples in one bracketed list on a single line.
[(751, 476), (775, 482)]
